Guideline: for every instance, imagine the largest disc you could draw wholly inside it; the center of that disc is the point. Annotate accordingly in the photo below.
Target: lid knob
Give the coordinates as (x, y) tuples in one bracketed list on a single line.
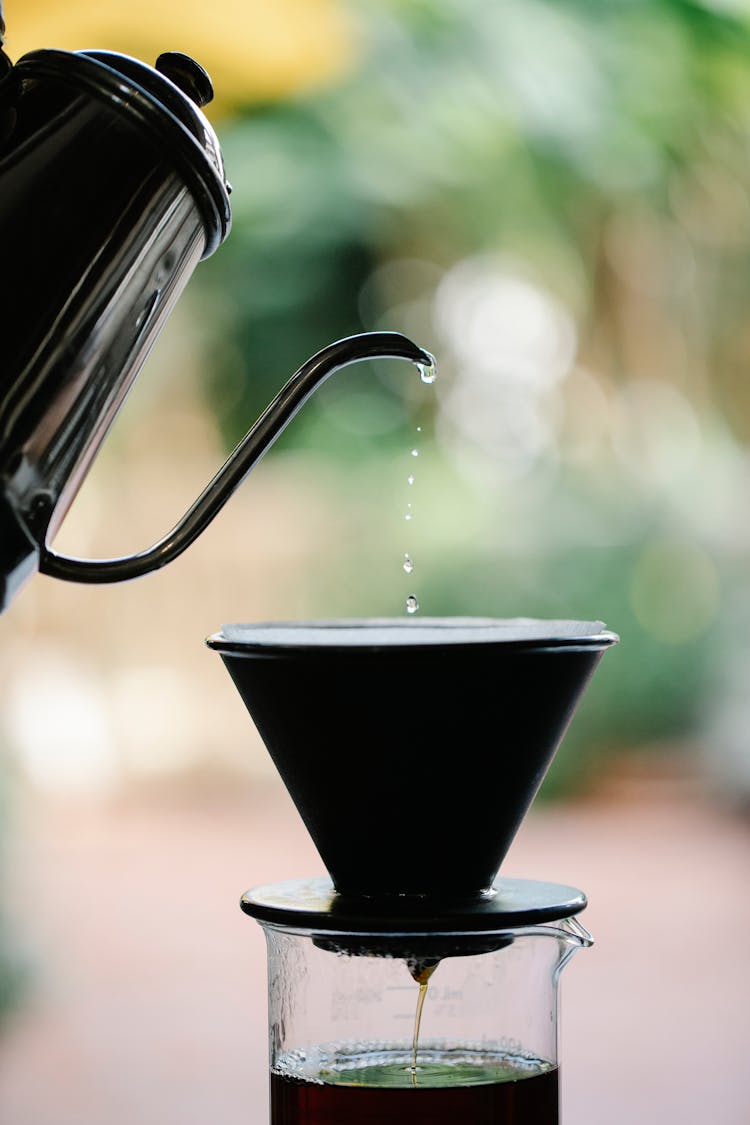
[(189, 75)]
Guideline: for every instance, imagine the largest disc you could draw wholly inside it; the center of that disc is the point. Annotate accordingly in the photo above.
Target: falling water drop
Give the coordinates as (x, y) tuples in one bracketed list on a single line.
[(428, 374)]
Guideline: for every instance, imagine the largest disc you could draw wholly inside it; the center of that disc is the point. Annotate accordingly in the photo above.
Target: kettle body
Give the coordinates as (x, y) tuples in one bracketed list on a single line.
[(112, 189)]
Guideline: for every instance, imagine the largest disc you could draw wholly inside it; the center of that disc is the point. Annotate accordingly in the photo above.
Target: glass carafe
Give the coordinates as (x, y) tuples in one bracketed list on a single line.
[(454, 1025)]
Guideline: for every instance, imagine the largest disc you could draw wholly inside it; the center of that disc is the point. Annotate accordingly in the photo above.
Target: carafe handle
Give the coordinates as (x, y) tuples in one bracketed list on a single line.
[(244, 457)]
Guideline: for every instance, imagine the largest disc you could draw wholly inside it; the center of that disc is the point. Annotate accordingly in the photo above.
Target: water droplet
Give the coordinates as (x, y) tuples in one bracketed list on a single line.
[(410, 478), (415, 453), (419, 429), (427, 372), (408, 564), (412, 605)]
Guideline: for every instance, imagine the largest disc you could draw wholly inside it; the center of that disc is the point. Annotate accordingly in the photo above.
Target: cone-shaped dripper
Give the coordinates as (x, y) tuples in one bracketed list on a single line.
[(412, 748)]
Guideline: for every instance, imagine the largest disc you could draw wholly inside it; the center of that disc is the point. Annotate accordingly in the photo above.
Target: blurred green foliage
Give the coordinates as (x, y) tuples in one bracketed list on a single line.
[(604, 148), (14, 967), (467, 126)]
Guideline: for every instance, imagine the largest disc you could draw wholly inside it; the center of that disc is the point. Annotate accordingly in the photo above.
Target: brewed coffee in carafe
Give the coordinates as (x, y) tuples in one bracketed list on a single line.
[(412, 983)]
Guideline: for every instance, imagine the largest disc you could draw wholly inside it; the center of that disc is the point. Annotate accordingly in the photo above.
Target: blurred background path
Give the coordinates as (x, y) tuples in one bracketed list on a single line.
[(148, 996)]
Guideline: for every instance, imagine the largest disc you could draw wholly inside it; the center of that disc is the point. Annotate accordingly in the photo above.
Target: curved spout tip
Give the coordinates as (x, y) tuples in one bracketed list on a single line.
[(375, 345)]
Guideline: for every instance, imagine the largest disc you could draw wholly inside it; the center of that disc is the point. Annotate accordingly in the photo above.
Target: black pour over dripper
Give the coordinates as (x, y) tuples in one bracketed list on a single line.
[(412, 748)]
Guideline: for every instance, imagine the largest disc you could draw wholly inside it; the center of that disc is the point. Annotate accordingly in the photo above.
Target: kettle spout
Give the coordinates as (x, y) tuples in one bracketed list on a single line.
[(259, 439)]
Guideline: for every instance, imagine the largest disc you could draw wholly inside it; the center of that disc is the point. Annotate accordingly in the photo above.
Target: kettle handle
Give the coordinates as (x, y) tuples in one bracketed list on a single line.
[(275, 418), (5, 63)]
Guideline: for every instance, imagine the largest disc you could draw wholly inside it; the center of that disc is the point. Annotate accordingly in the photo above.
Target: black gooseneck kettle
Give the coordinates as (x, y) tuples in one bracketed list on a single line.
[(112, 189)]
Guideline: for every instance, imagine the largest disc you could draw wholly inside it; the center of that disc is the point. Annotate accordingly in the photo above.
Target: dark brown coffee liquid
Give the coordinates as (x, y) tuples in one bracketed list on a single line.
[(462, 1098)]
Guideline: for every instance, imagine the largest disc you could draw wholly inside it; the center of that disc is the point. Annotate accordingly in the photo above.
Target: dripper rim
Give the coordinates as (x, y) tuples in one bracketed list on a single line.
[(345, 634)]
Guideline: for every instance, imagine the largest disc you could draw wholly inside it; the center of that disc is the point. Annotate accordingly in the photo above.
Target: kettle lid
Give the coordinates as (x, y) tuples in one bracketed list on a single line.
[(164, 101)]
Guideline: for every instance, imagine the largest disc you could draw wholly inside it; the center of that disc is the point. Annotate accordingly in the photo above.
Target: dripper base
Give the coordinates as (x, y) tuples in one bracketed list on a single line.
[(314, 904)]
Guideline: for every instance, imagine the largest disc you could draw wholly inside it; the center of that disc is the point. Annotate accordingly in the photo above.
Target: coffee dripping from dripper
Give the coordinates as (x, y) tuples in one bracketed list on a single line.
[(112, 189), (412, 983)]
